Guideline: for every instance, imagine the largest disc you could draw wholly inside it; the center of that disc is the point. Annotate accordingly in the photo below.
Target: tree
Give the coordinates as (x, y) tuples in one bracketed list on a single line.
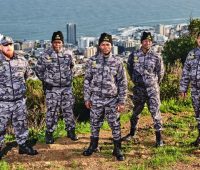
[(194, 27), (177, 49)]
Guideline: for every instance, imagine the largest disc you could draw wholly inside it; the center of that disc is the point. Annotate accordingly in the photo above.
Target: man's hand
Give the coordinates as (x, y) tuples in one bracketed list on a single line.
[(120, 107), (88, 104), (183, 95)]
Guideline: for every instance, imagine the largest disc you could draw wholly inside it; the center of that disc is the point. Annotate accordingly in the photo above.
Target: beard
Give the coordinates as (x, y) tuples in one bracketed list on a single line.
[(8, 54), (106, 53)]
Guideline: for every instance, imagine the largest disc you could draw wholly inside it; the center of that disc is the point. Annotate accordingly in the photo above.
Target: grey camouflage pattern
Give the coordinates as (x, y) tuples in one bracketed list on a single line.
[(105, 85), (147, 72), (15, 112), (101, 108), (59, 100), (191, 75), (54, 68), (105, 77), (13, 74), (55, 71)]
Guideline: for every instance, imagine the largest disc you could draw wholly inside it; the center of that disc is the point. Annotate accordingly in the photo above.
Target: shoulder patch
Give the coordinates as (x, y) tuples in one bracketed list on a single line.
[(48, 58), (94, 64), (191, 55), (135, 59)]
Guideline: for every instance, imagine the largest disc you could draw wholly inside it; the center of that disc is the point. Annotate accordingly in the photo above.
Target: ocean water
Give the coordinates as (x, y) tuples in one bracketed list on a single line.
[(38, 19)]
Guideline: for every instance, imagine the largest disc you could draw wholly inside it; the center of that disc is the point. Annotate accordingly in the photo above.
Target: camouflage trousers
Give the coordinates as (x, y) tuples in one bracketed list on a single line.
[(15, 112), (101, 108), (59, 100), (196, 104), (151, 96)]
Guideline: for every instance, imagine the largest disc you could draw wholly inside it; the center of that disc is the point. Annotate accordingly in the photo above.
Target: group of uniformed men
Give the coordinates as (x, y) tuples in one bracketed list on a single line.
[(105, 90)]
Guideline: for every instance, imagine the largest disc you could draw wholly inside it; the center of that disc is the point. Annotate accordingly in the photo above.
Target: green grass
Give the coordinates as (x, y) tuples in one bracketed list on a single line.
[(4, 165), (174, 106), (180, 131)]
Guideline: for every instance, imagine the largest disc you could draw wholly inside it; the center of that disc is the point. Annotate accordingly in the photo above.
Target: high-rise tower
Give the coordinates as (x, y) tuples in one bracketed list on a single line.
[(71, 33)]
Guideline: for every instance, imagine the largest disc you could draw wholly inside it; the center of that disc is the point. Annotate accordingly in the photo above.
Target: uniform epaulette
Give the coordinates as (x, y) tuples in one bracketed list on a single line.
[(20, 56), (94, 57), (118, 59), (67, 52), (49, 51)]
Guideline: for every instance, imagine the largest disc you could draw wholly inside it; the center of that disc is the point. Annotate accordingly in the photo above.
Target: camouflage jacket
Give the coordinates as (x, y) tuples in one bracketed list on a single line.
[(105, 77), (191, 71), (13, 74), (55, 69), (145, 70)]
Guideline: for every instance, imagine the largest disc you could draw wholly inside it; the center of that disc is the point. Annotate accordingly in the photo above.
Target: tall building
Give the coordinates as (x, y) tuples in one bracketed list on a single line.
[(71, 33), (90, 51), (160, 29)]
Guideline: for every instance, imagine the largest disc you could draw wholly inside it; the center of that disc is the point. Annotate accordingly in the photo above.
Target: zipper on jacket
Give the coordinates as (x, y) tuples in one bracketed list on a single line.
[(59, 68), (102, 75), (197, 68), (11, 80)]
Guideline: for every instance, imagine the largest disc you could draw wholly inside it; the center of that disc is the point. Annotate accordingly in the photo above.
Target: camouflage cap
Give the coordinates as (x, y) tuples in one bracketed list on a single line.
[(6, 40)]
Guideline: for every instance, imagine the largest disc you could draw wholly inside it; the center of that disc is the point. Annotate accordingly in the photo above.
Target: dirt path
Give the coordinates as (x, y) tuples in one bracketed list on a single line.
[(66, 154)]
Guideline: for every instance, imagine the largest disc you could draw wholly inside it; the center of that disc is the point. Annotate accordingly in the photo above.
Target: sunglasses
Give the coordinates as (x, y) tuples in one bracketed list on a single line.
[(5, 45)]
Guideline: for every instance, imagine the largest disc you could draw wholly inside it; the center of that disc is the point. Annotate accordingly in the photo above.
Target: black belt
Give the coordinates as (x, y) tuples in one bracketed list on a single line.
[(140, 84), (49, 87), (99, 94), (13, 100), (62, 86)]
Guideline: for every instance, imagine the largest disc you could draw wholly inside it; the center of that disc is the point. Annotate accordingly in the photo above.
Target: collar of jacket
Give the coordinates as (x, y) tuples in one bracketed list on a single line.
[(59, 53), (105, 56), (148, 52)]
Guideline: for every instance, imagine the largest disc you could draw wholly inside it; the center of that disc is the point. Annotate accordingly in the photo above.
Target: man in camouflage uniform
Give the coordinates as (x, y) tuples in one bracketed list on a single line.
[(105, 88), (54, 69), (191, 73), (14, 70), (146, 70)]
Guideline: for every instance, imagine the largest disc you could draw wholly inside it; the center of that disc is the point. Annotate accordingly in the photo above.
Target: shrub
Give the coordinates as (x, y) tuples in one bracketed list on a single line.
[(35, 103), (80, 111)]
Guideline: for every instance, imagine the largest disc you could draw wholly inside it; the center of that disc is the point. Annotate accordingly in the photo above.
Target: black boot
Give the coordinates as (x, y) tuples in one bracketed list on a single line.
[(93, 146), (71, 134), (49, 137), (117, 150), (159, 141), (130, 136), (25, 149), (196, 143)]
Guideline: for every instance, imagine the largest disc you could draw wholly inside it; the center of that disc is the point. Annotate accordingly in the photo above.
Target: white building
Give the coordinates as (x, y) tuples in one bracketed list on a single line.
[(90, 51), (28, 45), (160, 38), (1, 36), (115, 50), (85, 42)]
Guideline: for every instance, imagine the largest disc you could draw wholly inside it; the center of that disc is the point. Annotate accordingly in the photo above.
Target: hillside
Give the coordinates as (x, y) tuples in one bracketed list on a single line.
[(140, 154)]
